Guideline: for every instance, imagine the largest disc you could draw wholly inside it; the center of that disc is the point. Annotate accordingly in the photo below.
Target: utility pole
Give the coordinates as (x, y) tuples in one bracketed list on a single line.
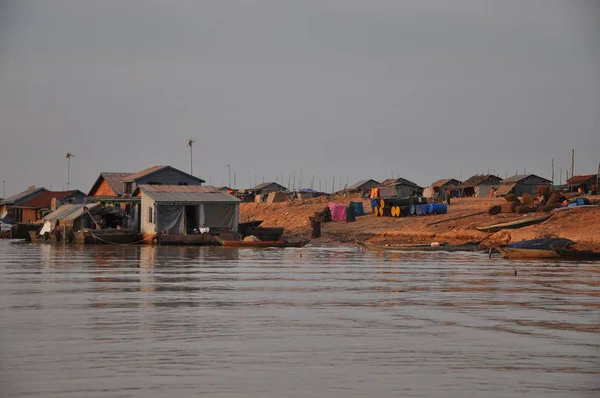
[(572, 163), (3, 190), (69, 156), (597, 180), (552, 171), (560, 181), (229, 170), (333, 185), (191, 144)]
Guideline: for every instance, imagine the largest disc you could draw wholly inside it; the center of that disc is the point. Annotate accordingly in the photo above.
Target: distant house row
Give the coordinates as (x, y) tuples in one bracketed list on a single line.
[(479, 185)]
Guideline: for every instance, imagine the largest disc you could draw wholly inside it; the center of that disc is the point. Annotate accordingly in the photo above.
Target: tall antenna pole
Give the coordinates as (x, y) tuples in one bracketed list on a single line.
[(191, 144), (552, 171), (69, 156), (573, 163), (229, 171), (3, 190)]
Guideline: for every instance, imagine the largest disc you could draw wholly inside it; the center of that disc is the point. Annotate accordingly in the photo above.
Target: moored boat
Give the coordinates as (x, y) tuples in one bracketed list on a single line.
[(263, 243), (465, 247), (514, 253), (573, 254), (514, 224)]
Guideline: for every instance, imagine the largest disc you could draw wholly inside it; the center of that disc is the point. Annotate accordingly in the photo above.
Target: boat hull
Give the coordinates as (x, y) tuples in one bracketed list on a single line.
[(526, 254), (513, 224), (260, 244), (581, 255), (469, 247)]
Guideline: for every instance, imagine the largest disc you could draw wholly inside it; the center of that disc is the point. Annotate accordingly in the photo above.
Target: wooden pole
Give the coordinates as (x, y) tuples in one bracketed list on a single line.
[(597, 180), (552, 171)]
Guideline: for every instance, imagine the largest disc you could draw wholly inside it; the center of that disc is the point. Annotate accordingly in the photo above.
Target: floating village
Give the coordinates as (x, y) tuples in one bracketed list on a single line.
[(523, 216)]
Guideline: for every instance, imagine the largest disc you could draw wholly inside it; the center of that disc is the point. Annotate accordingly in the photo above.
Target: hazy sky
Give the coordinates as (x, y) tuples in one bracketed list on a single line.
[(357, 89)]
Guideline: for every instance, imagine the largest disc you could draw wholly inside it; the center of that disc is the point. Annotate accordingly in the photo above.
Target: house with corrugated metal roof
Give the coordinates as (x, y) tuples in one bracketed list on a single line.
[(400, 187), (267, 187), (587, 182), (117, 189), (184, 210), (31, 205), (479, 185), (522, 183)]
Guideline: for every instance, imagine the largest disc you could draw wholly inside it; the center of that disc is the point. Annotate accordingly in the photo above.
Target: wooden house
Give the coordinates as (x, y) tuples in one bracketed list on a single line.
[(117, 188), (399, 187), (587, 182), (522, 183), (479, 185), (267, 187), (32, 205)]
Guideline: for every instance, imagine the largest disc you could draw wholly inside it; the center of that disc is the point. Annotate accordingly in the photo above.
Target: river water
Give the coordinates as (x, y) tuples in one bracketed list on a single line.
[(105, 321)]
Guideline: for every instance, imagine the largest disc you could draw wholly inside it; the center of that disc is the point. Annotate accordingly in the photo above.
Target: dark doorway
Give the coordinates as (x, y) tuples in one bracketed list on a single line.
[(192, 218)]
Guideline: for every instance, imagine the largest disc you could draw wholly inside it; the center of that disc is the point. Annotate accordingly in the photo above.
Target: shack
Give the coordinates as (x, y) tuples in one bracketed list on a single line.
[(267, 187), (479, 185), (587, 182), (185, 209), (32, 205), (522, 183), (399, 187)]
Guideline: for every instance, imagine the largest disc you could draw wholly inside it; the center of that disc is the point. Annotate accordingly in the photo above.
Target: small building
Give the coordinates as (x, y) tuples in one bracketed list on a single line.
[(522, 183), (267, 187), (479, 185), (399, 187), (183, 210), (363, 186), (446, 183), (32, 205), (117, 189), (587, 182), (74, 216)]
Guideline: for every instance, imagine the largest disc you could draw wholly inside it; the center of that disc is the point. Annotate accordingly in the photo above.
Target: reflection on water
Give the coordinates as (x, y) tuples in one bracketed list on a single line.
[(189, 321)]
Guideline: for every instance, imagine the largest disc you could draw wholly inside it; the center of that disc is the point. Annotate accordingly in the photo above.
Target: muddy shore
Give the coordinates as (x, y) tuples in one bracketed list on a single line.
[(578, 224)]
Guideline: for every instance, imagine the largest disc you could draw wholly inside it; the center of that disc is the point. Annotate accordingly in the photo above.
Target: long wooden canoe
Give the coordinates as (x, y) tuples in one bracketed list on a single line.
[(572, 254), (263, 243), (514, 224), (526, 254), (467, 247)]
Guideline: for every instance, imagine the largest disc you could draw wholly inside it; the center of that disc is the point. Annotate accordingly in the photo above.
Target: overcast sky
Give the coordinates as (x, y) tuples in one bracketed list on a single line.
[(357, 89)]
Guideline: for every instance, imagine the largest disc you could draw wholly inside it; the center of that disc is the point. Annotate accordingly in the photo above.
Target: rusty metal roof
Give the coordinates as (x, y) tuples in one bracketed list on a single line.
[(360, 183), (186, 194), (143, 173), (478, 179), (266, 184), (505, 189), (22, 195), (398, 181), (44, 199), (520, 177), (444, 181), (580, 179), (70, 212)]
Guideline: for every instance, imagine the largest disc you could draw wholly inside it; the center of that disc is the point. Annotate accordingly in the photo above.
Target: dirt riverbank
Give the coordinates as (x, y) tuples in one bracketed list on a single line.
[(578, 224)]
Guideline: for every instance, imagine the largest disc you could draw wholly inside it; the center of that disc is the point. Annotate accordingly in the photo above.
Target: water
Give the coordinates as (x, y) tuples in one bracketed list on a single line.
[(329, 322)]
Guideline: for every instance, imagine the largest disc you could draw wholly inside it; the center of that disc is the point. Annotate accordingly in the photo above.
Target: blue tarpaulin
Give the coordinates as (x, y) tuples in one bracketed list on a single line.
[(359, 210)]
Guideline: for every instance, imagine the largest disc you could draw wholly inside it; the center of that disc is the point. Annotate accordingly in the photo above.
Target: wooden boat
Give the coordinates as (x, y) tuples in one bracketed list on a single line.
[(107, 236), (185, 240), (573, 254), (263, 243), (444, 247), (514, 224), (545, 244), (513, 253)]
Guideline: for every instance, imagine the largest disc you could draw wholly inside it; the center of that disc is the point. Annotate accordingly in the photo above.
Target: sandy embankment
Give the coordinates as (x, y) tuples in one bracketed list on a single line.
[(581, 225)]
